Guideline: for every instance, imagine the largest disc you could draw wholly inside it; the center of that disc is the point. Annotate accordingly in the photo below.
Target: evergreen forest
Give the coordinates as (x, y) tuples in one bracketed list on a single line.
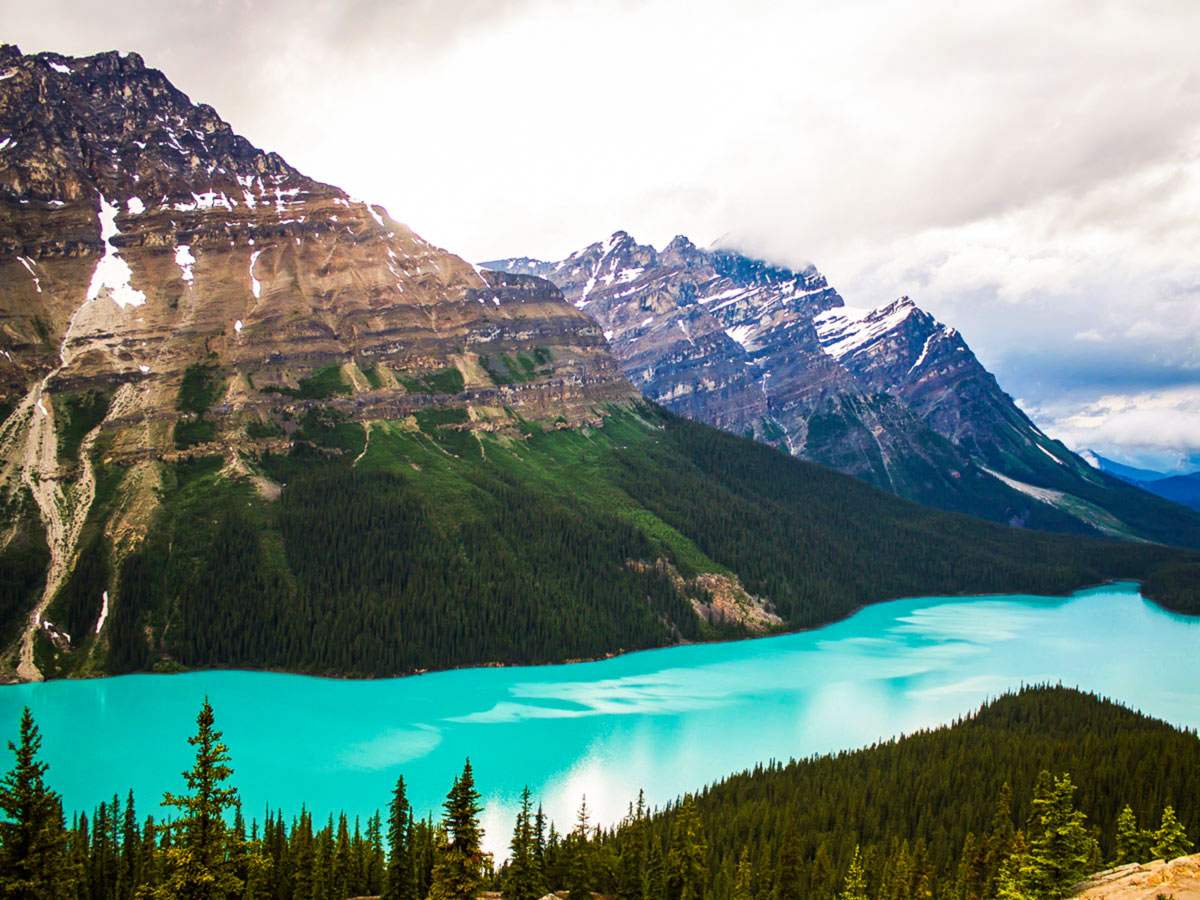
[(1015, 802)]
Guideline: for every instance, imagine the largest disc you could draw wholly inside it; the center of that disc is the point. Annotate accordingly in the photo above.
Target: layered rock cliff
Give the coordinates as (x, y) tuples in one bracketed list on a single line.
[(168, 290), (887, 394)]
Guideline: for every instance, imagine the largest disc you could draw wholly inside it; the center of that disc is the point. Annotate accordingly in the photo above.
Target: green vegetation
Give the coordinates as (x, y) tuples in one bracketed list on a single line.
[(33, 839), (199, 388), (448, 381), (22, 566), (442, 546), (197, 392), (75, 416), (373, 376), (1176, 587), (969, 811), (940, 813), (261, 430), (322, 384), (194, 432)]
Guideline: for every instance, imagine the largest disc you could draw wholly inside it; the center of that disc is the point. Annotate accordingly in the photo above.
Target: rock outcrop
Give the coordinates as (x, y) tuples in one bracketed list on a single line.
[(1178, 878)]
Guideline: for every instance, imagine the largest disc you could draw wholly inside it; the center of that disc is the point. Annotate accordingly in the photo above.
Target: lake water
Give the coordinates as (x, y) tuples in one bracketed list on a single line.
[(666, 720)]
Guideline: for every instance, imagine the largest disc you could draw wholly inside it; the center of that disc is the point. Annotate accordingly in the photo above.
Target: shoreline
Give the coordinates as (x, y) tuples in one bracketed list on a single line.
[(849, 614)]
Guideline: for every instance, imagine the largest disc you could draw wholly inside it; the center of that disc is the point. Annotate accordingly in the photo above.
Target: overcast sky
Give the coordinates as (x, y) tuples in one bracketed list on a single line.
[(1027, 171)]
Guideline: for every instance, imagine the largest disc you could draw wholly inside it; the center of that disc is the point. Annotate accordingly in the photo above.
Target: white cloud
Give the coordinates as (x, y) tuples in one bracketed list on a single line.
[(1153, 426)]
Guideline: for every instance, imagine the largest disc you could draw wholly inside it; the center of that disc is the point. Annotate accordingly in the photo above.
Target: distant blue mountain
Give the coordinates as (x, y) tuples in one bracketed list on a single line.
[(1183, 489), (1119, 470)]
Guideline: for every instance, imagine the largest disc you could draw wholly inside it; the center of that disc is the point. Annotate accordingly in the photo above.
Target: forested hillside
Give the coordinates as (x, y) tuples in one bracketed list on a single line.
[(429, 546), (1016, 801)]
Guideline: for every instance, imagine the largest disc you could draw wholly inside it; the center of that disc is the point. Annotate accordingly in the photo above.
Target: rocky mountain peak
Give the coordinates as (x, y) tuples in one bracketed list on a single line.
[(886, 393)]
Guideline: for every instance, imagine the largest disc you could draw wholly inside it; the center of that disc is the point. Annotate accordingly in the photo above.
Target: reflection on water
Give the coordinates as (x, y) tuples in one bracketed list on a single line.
[(667, 721)]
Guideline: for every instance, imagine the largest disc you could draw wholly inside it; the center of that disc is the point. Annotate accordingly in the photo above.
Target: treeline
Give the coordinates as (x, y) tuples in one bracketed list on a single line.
[(966, 812), (438, 547)]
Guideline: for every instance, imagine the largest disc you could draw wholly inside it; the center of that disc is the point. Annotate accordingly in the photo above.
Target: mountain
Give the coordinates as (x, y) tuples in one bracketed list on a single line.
[(252, 421), (890, 395), (1126, 473), (1183, 489)]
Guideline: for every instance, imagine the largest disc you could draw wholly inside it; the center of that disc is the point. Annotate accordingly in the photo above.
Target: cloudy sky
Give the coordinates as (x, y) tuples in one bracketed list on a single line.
[(1027, 171)]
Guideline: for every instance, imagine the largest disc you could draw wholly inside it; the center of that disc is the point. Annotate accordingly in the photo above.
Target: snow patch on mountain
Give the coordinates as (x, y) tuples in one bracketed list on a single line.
[(846, 329), (112, 272)]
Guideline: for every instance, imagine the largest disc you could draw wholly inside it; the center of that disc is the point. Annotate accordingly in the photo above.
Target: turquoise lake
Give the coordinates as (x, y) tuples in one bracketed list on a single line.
[(666, 720)]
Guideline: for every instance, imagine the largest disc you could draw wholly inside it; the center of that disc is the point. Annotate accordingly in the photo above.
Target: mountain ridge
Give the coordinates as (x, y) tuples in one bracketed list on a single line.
[(252, 421), (888, 394)]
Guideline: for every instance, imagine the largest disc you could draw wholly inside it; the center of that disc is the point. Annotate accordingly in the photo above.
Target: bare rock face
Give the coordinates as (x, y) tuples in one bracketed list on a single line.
[(888, 394), (900, 349), (139, 235), (733, 341)]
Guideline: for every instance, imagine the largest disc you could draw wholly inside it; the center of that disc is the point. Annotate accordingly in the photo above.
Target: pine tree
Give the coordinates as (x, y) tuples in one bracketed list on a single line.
[(854, 887), (656, 872), (743, 882), (1010, 879), (579, 871), (999, 841), (204, 853), (131, 850), (687, 871), (342, 879), (1060, 847), (376, 860), (1129, 837), (460, 862), (400, 882), (33, 836), (788, 872), (1170, 841), (631, 865), (524, 880)]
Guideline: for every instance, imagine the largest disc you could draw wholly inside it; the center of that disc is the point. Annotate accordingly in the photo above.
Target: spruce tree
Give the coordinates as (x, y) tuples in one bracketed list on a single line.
[(579, 869), (460, 861), (1060, 846), (687, 871), (524, 879), (204, 854), (854, 887), (743, 882), (631, 865), (788, 871), (656, 872), (376, 859), (342, 878), (1170, 841), (1010, 879), (131, 850), (33, 835), (400, 880), (1128, 842), (999, 841)]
